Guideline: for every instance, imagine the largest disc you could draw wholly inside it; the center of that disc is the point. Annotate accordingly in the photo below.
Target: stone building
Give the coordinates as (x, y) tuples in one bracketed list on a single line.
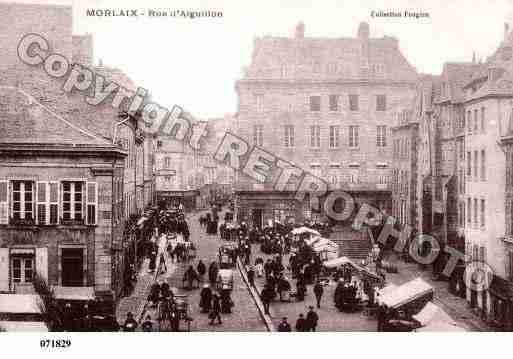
[(326, 106), (133, 182), (59, 185), (404, 168)]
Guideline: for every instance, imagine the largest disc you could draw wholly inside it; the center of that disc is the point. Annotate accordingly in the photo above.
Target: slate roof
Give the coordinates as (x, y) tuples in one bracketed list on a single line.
[(24, 120)]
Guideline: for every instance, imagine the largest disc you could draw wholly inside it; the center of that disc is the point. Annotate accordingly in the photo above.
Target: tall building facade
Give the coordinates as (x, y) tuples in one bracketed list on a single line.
[(130, 188), (326, 106)]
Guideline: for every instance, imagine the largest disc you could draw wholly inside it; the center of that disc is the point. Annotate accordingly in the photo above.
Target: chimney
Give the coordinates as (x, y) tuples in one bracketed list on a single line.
[(300, 30), (474, 57), (506, 31), (363, 31)]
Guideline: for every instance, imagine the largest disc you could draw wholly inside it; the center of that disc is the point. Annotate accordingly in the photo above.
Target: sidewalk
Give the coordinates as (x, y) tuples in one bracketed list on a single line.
[(136, 302), (455, 306)]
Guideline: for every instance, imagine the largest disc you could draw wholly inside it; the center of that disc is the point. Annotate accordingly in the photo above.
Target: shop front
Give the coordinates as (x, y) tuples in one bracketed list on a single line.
[(186, 198), (501, 303)]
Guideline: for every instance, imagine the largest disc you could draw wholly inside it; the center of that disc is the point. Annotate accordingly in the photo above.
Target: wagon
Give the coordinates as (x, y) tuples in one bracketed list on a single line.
[(227, 255)]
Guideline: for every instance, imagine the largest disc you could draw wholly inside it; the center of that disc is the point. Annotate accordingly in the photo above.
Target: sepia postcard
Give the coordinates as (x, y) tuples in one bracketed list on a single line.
[(273, 166)]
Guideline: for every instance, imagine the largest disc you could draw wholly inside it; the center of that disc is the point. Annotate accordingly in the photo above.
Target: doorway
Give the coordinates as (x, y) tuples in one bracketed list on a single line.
[(72, 261)]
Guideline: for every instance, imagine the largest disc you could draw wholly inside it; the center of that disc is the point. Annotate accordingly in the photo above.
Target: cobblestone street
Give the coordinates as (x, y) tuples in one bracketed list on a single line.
[(244, 317), (330, 318)]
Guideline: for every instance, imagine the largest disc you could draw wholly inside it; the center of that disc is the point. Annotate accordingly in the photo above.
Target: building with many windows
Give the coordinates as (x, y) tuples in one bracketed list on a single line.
[(327, 107), (131, 180), (59, 190)]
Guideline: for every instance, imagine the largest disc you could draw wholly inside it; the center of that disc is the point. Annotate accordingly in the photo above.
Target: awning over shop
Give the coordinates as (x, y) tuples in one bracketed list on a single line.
[(20, 303), (441, 327), (302, 230), (337, 262), (73, 293), (433, 314), (14, 326), (406, 293)]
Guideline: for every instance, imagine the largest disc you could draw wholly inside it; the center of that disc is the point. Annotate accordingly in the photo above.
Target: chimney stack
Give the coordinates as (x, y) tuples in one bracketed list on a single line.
[(506, 31), (300, 30)]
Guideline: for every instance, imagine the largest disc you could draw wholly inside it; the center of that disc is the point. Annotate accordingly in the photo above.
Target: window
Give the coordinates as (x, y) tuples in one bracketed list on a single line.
[(289, 136), (258, 135), (469, 164), (333, 102), (22, 200), (334, 136), (469, 211), (259, 102), (353, 136), (469, 121), (475, 212), (476, 161), (475, 121), (22, 268), (315, 136), (483, 214), (72, 200), (315, 103), (92, 203), (353, 103), (381, 103), (4, 202), (483, 120), (483, 165), (381, 136), (167, 163)]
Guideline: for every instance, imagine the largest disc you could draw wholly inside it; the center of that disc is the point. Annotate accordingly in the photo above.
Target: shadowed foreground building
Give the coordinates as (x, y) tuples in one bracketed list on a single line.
[(57, 201)]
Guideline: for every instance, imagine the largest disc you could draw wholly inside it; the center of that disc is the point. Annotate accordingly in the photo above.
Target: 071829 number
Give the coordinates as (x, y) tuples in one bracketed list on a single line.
[(55, 343)]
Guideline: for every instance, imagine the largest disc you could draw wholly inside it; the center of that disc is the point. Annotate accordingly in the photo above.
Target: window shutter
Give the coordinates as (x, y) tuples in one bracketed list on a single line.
[(92, 200), (42, 207), (42, 262), (4, 202), (4, 269), (53, 200)]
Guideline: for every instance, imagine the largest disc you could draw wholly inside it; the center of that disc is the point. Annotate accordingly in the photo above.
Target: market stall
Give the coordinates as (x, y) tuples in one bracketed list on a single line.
[(432, 318), (21, 312), (409, 297)]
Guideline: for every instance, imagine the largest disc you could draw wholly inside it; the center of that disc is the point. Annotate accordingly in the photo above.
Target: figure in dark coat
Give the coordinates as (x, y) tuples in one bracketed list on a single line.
[(311, 320), (301, 323), (318, 291), (284, 326), (206, 299), (216, 310)]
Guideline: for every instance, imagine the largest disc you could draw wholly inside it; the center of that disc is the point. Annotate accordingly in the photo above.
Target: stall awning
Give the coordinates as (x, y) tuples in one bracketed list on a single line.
[(433, 314), (302, 230), (15, 326), (337, 262), (141, 221), (20, 303), (73, 293), (407, 293)]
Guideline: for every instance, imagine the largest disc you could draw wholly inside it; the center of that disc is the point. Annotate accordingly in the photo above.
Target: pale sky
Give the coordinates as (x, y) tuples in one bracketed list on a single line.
[(195, 63)]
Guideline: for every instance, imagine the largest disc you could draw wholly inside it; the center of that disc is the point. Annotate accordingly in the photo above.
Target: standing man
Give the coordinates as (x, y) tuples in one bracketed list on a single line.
[(251, 276), (267, 294), (311, 320), (318, 291), (301, 323), (216, 309), (284, 326)]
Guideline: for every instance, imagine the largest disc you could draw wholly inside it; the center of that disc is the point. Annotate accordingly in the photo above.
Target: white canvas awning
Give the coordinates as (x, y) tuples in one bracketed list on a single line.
[(407, 292), (337, 262), (432, 313), (12, 326), (302, 230), (73, 293), (20, 303), (441, 327)]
